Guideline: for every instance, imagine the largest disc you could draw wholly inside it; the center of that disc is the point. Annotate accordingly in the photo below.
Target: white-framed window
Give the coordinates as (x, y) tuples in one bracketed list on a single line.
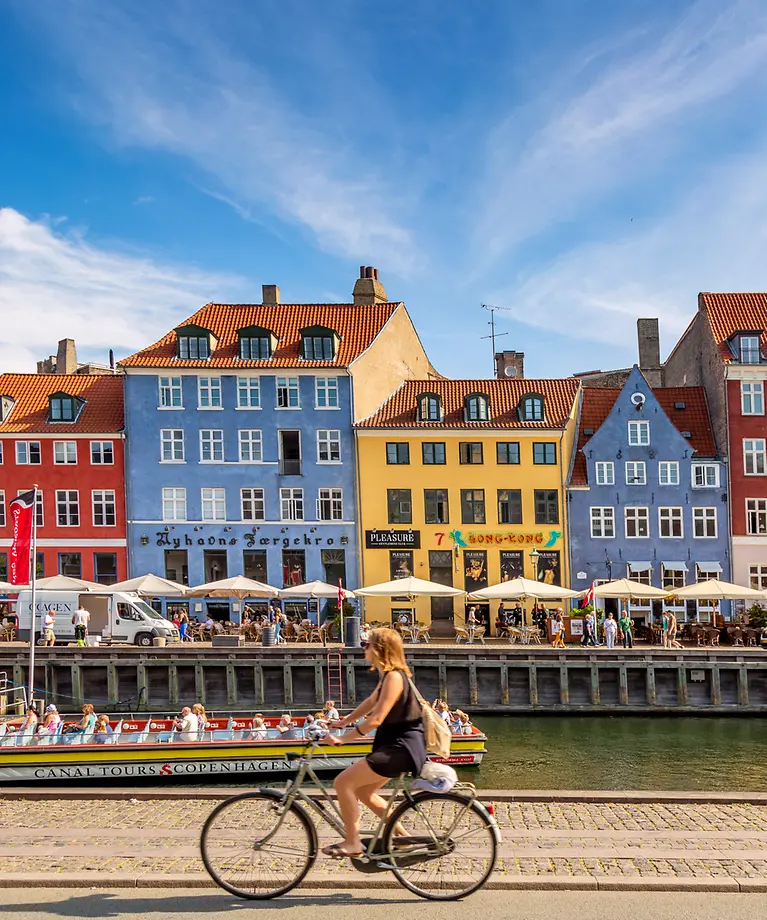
[(28, 453), (668, 473), (756, 516), (673, 579), (754, 457), (173, 504), (639, 433), (605, 470), (287, 393), (252, 505), (636, 473), (330, 505), (602, 522), (326, 389), (211, 445), (1, 451), (248, 392), (292, 504), (213, 504), (170, 393), (644, 577), (209, 392), (752, 398), (637, 522), (102, 453), (705, 475), (65, 452), (670, 522), (328, 445), (749, 349), (704, 522), (250, 445), (104, 514), (67, 508), (172, 445), (758, 577), (2, 507)]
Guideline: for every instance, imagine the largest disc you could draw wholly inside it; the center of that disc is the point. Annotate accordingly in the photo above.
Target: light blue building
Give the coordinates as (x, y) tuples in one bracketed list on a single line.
[(648, 494)]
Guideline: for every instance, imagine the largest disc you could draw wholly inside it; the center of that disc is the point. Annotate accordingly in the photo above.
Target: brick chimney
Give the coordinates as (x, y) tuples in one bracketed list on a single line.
[(367, 288), (66, 357), (510, 364), (270, 294), (648, 338)]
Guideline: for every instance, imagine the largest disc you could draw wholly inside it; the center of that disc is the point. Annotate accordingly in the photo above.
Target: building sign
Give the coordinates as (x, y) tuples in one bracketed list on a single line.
[(512, 564), (400, 564), (471, 537), (391, 539), (549, 568), (249, 539), (475, 570)]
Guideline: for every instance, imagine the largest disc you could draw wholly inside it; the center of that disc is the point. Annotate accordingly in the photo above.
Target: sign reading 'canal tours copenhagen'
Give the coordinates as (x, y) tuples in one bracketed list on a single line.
[(392, 539)]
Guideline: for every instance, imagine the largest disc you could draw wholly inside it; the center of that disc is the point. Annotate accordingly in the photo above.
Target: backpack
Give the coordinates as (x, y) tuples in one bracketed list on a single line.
[(436, 733)]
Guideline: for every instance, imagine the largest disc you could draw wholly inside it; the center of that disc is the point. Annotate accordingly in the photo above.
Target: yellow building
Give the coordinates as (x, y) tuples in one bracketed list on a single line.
[(459, 482)]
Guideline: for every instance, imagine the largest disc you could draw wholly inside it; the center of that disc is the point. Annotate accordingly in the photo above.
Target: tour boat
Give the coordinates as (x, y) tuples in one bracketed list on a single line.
[(145, 748)]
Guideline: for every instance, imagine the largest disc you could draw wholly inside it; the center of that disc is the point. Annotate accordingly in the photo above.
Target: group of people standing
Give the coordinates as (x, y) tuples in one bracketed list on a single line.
[(613, 630)]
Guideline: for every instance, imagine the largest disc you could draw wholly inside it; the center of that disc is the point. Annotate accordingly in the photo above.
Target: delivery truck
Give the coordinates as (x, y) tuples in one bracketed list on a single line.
[(114, 617)]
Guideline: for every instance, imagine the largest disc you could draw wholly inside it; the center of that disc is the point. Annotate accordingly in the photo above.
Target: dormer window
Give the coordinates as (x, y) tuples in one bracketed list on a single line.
[(531, 408), (318, 344), (194, 343), (6, 405), (255, 344), (429, 408), (64, 408), (476, 408), (748, 346)]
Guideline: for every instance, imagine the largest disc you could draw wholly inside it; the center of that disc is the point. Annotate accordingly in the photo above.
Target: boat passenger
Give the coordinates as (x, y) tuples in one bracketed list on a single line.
[(330, 711), (202, 720), (187, 725), (29, 725), (260, 731), (102, 730), (465, 722), (86, 724), (442, 711), (287, 728), (51, 721)]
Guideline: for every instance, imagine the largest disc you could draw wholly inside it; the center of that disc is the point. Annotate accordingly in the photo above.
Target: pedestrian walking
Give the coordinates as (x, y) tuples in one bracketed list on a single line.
[(673, 628), (588, 630), (664, 629), (49, 637), (558, 629), (611, 630), (627, 629), (183, 625)]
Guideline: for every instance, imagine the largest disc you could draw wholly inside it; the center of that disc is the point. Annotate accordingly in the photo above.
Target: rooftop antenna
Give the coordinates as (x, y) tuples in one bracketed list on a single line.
[(491, 323)]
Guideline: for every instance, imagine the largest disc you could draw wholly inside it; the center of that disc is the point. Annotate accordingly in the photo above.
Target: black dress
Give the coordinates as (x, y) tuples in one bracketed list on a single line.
[(398, 745)]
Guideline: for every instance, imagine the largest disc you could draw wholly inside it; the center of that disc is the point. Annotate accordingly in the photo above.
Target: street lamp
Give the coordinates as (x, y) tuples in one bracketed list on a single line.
[(534, 554)]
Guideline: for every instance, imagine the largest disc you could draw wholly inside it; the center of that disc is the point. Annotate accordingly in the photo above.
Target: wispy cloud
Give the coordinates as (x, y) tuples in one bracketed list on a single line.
[(55, 285), (143, 199)]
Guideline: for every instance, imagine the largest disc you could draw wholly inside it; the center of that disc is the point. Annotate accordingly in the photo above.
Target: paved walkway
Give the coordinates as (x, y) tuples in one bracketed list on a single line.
[(602, 844)]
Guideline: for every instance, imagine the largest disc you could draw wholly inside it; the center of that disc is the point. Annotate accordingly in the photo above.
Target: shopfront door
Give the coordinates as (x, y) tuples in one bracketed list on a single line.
[(441, 571)]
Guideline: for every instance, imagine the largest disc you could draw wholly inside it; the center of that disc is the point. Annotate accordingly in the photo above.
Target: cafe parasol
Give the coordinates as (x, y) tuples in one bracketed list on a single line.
[(625, 588), (149, 586), (315, 589), (239, 586), (718, 591), (520, 588)]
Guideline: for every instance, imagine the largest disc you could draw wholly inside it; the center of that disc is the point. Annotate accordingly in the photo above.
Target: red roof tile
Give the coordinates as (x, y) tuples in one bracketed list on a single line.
[(731, 313), (400, 410), (598, 402), (102, 412), (356, 326)]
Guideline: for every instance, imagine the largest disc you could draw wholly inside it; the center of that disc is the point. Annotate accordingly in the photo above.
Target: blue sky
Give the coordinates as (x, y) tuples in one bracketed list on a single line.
[(579, 163)]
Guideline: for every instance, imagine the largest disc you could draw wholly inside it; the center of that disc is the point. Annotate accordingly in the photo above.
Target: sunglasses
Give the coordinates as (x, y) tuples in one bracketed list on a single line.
[(364, 644)]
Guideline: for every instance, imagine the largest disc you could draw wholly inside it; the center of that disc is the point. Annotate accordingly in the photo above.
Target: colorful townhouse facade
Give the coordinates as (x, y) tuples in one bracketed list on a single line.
[(240, 426), (64, 433), (647, 494), (724, 350), (462, 482)]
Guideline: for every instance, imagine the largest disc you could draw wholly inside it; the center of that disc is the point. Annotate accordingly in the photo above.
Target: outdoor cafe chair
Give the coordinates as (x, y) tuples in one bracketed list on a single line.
[(461, 633)]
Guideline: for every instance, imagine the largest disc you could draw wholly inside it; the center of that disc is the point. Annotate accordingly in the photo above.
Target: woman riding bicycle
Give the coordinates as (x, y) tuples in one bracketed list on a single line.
[(398, 747)]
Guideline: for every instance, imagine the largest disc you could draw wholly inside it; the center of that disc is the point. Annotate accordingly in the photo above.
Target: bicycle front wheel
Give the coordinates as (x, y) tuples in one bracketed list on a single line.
[(450, 849), (254, 848)]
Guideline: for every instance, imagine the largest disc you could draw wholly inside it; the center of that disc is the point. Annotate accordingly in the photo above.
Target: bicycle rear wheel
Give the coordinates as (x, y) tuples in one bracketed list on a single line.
[(450, 849), (253, 850)]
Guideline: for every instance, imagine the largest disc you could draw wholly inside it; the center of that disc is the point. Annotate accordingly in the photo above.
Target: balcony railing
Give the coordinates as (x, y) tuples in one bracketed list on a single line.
[(290, 468)]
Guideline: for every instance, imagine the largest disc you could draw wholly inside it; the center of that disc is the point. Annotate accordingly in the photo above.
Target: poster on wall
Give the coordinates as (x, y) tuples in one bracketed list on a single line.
[(512, 564), (475, 569), (549, 569), (400, 566)]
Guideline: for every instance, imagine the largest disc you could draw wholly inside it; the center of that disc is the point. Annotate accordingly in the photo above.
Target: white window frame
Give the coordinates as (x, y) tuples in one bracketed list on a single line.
[(213, 503), (65, 453), (679, 607), (639, 466), (169, 438), (254, 501), (632, 512), (328, 442), (704, 515), (333, 498), (743, 351), (107, 500), (167, 392), (250, 445), (605, 472), (754, 455), (26, 447), (670, 515), (210, 440), (704, 469), (69, 503), (757, 575), (292, 389), (666, 467), (1, 452), (291, 504), (751, 397), (2, 507), (249, 392), (759, 509), (209, 394), (100, 451), (639, 433), (601, 517), (174, 503), (326, 393)]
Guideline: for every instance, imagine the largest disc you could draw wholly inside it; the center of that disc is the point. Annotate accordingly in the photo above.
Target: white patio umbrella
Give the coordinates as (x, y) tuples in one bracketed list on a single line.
[(149, 586), (239, 586), (314, 589), (518, 588), (410, 586), (7, 588), (65, 583), (717, 590), (631, 590)]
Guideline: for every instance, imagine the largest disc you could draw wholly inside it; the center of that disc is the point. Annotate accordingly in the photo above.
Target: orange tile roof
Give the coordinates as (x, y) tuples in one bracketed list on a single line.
[(102, 412), (730, 313), (356, 327), (598, 402), (400, 410)]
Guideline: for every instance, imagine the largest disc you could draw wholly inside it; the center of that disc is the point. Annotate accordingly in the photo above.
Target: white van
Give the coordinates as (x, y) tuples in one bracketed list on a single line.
[(115, 617)]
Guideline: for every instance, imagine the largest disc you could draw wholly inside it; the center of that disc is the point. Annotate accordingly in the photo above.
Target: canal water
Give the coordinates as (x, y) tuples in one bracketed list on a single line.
[(623, 752)]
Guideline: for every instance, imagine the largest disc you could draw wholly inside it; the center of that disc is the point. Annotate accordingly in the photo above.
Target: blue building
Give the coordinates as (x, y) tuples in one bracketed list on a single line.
[(240, 453), (647, 494)]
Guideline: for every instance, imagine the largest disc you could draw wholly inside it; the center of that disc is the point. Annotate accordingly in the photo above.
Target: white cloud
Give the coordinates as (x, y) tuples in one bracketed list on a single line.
[(55, 285)]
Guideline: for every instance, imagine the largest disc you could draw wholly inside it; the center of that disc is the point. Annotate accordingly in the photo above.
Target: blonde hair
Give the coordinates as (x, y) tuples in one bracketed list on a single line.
[(199, 710), (88, 709), (388, 651)]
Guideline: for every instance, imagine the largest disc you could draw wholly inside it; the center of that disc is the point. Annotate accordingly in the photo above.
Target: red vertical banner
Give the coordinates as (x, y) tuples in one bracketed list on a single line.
[(340, 597), (22, 509)]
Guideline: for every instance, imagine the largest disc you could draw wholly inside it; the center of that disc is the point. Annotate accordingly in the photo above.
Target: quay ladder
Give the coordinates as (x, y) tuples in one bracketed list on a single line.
[(335, 679)]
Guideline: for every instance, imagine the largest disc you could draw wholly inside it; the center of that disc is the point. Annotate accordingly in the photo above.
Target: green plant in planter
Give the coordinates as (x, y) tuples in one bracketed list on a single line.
[(757, 615)]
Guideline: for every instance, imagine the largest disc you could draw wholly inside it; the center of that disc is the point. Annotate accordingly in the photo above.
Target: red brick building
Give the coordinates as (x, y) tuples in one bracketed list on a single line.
[(64, 432)]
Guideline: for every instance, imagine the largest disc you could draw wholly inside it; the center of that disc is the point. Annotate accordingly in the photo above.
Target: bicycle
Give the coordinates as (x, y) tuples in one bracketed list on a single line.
[(262, 844)]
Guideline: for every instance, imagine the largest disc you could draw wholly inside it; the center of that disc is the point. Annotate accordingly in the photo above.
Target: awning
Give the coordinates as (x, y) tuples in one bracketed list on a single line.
[(640, 566), (710, 567), (674, 566)]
